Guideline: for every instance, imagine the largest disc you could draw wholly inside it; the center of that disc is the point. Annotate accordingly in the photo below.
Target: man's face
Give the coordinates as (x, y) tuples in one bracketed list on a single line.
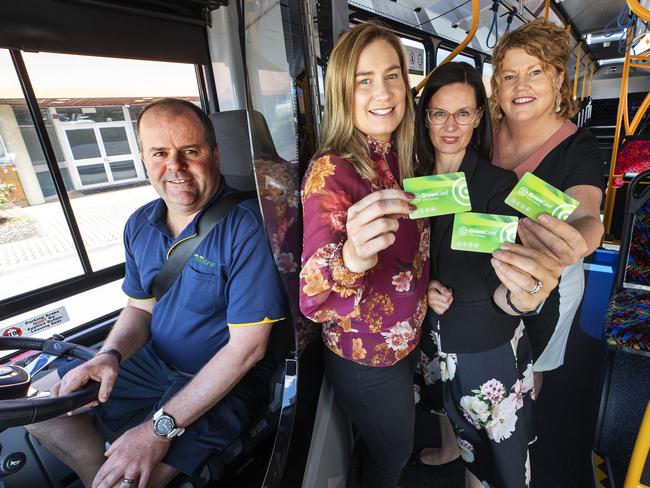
[(181, 167)]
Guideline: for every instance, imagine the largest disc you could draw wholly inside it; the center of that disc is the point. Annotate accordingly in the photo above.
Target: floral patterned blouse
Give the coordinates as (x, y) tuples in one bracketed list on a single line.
[(372, 318)]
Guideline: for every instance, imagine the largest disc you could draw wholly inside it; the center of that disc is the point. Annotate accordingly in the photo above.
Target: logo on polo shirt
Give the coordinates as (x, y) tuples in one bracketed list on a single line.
[(204, 261)]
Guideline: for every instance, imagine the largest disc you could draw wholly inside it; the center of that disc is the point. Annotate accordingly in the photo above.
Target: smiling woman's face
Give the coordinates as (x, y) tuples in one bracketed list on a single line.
[(452, 138), (379, 91), (526, 92)]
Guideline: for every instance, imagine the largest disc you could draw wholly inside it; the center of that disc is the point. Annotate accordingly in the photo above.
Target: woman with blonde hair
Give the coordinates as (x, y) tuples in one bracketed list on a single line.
[(368, 294), (532, 105)]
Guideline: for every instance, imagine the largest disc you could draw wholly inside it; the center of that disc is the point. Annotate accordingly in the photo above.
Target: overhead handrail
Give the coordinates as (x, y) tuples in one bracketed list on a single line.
[(575, 79), (476, 11), (638, 9)]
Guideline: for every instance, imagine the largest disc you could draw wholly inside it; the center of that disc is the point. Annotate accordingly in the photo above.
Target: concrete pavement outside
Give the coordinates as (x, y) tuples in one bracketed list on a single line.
[(50, 256)]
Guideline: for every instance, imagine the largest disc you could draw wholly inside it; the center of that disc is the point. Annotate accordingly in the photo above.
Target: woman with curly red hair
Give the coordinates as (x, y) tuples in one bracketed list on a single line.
[(532, 106)]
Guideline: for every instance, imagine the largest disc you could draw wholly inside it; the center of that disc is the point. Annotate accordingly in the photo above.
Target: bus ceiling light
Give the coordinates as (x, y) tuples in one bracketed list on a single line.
[(604, 37), (607, 62)]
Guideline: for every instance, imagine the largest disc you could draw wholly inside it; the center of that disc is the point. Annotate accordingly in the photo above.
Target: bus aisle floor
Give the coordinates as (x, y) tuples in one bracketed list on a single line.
[(565, 416)]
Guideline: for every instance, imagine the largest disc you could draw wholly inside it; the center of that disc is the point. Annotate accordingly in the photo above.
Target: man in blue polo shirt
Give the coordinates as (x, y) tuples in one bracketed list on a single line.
[(191, 358)]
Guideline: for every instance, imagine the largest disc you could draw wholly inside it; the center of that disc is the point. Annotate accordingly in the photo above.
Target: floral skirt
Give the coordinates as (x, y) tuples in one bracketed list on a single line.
[(488, 397)]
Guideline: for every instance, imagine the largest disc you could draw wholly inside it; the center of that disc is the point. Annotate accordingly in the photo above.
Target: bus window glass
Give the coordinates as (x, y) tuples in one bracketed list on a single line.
[(417, 60), (93, 104), (442, 53), (487, 76), (270, 82), (36, 247)]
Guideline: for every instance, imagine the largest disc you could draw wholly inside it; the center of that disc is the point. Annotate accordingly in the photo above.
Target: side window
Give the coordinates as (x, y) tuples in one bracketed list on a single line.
[(416, 58), (442, 53), (89, 106), (487, 76), (36, 246)]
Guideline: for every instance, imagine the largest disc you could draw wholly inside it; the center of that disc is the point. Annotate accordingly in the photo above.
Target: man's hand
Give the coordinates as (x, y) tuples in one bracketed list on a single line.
[(135, 455), (519, 267), (439, 297), (102, 368), (554, 238)]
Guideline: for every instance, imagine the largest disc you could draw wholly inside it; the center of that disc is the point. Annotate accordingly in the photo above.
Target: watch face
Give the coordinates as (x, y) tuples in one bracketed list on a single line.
[(164, 425)]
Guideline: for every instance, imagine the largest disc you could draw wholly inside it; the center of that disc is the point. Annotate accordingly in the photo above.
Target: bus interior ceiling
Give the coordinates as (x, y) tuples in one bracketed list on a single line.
[(263, 58)]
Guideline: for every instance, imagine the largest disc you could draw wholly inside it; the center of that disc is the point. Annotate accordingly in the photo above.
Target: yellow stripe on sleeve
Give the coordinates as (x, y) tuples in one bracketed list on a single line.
[(141, 299), (265, 321)]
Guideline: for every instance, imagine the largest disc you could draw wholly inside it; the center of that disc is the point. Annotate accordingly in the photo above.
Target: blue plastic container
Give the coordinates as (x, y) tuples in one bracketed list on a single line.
[(600, 273)]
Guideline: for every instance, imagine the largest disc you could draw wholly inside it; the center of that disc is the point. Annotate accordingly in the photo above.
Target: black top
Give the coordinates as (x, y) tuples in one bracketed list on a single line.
[(473, 323), (575, 161)]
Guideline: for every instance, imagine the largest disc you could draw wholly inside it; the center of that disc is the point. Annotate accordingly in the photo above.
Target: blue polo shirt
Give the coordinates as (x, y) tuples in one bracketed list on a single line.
[(230, 281)]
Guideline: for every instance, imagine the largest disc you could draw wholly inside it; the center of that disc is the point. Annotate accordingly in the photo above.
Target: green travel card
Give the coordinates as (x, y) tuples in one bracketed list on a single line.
[(478, 232), (438, 194), (533, 196)]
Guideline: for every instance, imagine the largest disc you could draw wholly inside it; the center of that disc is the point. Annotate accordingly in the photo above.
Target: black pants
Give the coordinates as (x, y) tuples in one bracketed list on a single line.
[(380, 402)]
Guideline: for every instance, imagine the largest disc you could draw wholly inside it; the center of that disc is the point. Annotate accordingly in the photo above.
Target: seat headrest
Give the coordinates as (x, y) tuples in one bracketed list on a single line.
[(242, 137)]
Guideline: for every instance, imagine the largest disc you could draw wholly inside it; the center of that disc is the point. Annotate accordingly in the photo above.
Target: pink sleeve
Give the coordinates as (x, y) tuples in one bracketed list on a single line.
[(328, 290)]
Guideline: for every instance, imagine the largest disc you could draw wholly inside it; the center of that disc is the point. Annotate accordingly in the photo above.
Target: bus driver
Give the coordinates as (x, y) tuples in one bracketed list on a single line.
[(189, 359)]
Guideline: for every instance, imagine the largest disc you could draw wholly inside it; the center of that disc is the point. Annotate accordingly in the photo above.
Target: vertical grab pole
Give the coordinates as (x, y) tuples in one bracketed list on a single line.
[(591, 78), (584, 81), (575, 79), (547, 8), (620, 115)]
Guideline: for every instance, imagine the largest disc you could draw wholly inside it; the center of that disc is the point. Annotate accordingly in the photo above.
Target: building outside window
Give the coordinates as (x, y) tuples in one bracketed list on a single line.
[(89, 106)]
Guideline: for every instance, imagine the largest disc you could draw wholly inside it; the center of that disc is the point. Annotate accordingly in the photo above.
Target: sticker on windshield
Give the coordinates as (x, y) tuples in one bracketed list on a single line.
[(36, 324)]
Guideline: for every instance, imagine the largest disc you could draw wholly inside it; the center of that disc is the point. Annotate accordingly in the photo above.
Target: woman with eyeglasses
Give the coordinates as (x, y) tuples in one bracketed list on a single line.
[(473, 338)]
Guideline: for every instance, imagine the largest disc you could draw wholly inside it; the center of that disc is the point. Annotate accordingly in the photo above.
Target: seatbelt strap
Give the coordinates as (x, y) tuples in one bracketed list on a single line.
[(183, 251)]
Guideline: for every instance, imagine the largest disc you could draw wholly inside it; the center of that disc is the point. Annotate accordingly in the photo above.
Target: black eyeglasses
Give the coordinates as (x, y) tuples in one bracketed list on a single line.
[(465, 116)]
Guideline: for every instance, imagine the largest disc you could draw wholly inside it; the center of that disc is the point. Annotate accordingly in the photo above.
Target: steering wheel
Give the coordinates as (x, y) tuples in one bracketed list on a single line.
[(14, 384)]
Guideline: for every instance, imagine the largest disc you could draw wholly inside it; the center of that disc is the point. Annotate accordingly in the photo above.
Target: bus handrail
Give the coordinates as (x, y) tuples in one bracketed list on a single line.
[(577, 75), (584, 80), (547, 9), (638, 9), (476, 11), (623, 117)]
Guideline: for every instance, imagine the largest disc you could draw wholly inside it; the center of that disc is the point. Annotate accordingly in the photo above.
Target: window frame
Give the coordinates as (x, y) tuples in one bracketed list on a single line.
[(449, 49), (89, 278)]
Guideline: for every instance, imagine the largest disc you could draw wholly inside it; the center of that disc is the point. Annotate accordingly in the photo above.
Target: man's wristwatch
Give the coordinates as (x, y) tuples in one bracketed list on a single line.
[(112, 352), (164, 425)]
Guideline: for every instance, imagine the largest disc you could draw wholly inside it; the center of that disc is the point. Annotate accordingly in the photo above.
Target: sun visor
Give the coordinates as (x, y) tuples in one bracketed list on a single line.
[(92, 28)]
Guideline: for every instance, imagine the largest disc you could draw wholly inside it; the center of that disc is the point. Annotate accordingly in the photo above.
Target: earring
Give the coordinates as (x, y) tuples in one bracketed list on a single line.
[(558, 104), (499, 113)]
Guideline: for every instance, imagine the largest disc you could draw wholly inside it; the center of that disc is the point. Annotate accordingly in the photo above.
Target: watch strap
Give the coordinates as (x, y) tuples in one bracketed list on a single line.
[(175, 432), (113, 352)]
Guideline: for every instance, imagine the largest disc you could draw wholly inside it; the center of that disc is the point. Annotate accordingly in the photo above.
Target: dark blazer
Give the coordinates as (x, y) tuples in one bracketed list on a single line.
[(473, 323)]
